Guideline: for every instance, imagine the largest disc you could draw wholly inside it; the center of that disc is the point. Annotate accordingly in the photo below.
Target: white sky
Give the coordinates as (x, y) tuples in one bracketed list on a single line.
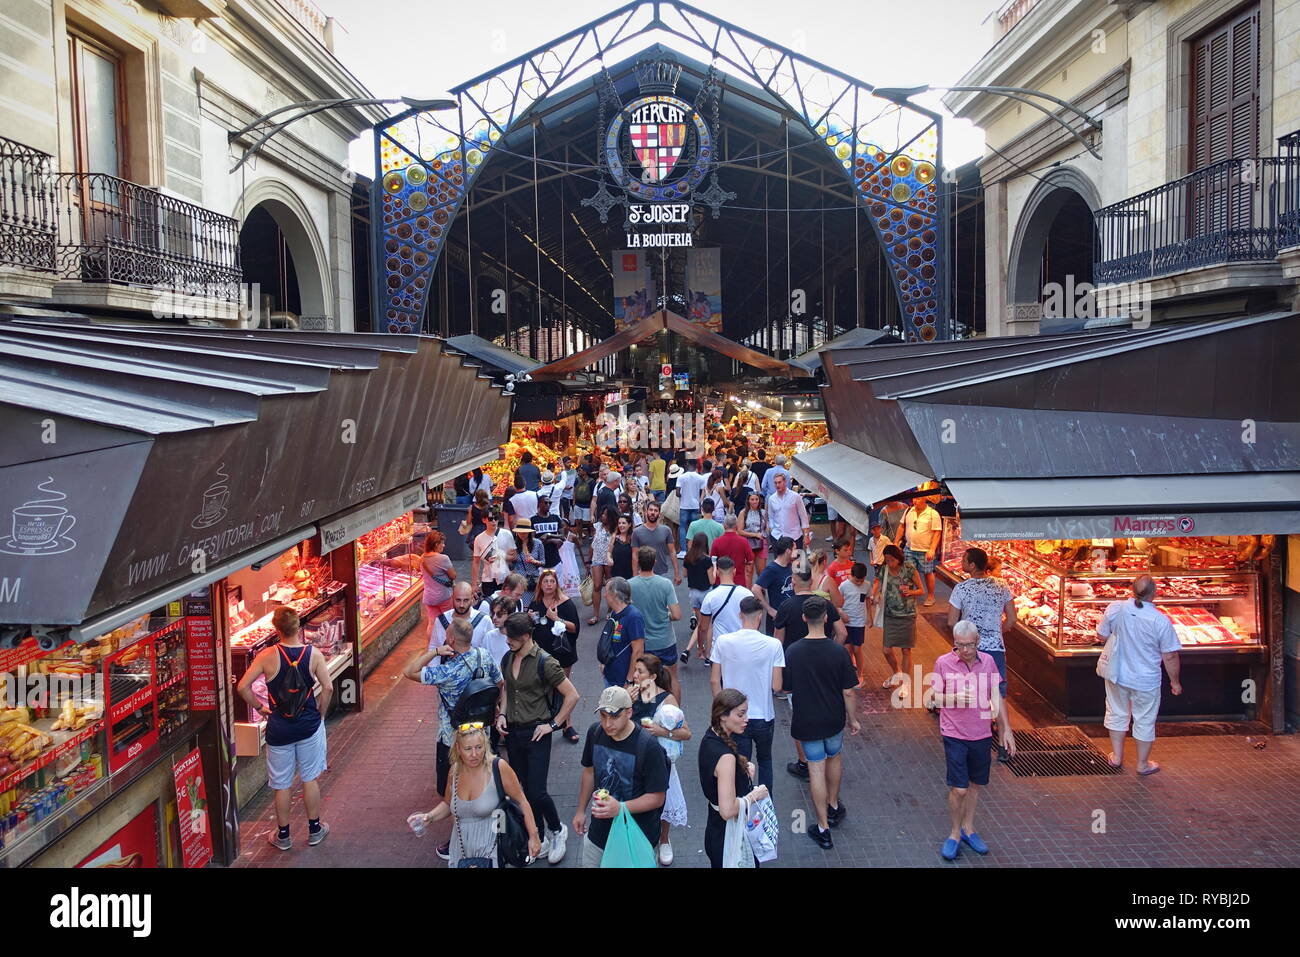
[(421, 49)]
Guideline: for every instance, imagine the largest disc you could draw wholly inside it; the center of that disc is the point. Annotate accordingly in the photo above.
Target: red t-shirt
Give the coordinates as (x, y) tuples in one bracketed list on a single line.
[(839, 571), (738, 549)]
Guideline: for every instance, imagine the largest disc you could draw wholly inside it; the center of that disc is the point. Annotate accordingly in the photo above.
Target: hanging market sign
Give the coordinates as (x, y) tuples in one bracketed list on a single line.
[(662, 214), (656, 153)]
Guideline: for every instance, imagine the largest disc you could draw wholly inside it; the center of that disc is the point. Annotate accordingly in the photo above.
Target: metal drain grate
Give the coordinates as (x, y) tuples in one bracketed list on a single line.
[(1058, 752)]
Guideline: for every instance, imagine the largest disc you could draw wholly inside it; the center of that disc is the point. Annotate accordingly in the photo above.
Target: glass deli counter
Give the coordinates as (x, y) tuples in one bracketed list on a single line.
[(1062, 588), (388, 573)]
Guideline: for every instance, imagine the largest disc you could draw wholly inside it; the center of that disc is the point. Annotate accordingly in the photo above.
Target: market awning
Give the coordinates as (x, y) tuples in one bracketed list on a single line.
[(136, 458), (850, 481), (492, 355), (809, 362), (1241, 504), (643, 329), (1181, 421)]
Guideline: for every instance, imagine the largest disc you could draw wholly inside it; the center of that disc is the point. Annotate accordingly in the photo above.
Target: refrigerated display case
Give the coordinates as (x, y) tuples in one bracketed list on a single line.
[(1062, 588), (1213, 596), (388, 577)]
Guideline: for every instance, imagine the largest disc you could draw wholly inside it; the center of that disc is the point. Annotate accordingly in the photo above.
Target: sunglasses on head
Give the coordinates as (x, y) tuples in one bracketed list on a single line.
[(470, 726)]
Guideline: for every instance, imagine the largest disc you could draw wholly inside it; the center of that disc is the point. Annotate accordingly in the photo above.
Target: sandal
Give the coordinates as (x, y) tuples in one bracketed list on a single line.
[(591, 621), (1110, 759), (1152, 768), (570, 735)]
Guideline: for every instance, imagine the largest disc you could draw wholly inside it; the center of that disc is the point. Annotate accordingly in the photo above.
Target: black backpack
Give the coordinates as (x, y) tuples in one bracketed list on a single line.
[(477, 701), (296, 690), (512, 833), (582, 493)]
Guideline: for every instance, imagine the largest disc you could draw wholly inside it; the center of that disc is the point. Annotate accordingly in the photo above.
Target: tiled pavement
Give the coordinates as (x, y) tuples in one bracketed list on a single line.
[(1217, 802)]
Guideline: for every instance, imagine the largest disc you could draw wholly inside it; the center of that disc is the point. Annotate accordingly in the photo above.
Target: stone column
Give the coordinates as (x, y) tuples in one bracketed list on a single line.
[(996, 253), (339, 252)]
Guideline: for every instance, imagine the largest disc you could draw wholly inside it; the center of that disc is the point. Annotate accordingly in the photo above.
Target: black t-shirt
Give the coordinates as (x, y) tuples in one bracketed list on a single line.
[(712, 749), (775, 580), (697, 573), (605, 498), (620, 553), (790, 617), (547, 530), (760, 469), (817, 672), (626, 778)]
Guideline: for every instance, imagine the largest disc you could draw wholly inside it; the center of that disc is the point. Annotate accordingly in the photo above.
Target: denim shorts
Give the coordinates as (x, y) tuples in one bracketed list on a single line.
[(968, 761), (823, 748), (923, 565), (1000, 659), (305, 758), (669, 655), (697, 598)]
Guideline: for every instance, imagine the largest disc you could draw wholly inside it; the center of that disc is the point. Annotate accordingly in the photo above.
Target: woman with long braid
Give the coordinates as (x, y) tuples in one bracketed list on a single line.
[(725, 776)]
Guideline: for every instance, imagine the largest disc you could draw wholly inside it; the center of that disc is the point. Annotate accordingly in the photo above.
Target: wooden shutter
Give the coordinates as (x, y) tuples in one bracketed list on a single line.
[(1224, 120), (1225, 91)]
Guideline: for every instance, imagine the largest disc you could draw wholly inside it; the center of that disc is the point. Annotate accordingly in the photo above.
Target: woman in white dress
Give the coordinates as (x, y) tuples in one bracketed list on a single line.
[(654, 706)]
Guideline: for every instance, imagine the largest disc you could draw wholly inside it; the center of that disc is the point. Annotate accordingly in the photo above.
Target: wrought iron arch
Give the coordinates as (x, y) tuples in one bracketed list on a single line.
[(888, 151)]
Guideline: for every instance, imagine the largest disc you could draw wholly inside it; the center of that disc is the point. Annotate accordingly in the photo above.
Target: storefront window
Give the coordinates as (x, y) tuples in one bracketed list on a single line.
[(72, 717), (1062, 587), (388, 578)]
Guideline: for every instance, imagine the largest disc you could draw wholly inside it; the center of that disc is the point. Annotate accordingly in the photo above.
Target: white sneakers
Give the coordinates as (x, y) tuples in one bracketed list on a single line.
[(559, 843), (666, 854)]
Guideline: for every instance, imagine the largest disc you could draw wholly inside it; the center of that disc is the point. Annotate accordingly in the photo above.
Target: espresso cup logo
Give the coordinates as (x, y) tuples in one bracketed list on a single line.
[(215, 497), (40, 525)]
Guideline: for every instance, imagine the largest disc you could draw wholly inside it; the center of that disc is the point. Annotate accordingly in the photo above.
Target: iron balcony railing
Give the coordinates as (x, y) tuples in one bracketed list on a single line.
[(112, 230), (26, 208), (1236, 210)]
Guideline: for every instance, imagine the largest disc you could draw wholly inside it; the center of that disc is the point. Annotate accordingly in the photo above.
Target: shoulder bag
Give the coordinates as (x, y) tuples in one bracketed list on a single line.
[(1106, 660), (671, 509), (508, 822)]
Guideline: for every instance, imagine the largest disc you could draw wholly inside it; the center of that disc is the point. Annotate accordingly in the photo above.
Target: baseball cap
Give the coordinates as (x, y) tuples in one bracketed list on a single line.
[(613, 700)]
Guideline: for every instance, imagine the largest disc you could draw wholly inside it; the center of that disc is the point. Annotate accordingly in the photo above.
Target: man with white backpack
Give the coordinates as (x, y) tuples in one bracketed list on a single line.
[(1139, 637)]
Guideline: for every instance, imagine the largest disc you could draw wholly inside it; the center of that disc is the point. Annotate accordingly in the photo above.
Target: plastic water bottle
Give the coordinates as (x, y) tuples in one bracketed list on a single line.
[(418, 823)]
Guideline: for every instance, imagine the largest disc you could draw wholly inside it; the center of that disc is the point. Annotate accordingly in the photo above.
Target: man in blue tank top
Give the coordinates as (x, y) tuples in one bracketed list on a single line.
[(295, 731)]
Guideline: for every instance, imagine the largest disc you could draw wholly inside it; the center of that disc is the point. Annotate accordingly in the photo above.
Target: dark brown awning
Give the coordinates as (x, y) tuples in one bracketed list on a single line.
[(1193, 428), (175, 448)]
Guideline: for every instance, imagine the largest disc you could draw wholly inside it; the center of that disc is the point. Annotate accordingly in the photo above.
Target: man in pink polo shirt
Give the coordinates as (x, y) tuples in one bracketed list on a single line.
[(965, 684)]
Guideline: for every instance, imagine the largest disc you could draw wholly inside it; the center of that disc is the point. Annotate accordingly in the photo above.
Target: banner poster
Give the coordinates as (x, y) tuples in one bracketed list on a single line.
[(704, 287), (134, 845), (192, 811), (633, 288)]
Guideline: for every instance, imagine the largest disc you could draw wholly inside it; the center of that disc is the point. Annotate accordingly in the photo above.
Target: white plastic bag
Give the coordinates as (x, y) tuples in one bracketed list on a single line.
[(762, 830), (569, 577)]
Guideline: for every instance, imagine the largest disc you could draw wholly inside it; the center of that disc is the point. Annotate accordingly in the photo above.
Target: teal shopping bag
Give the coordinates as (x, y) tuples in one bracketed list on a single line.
[(627, 845)]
